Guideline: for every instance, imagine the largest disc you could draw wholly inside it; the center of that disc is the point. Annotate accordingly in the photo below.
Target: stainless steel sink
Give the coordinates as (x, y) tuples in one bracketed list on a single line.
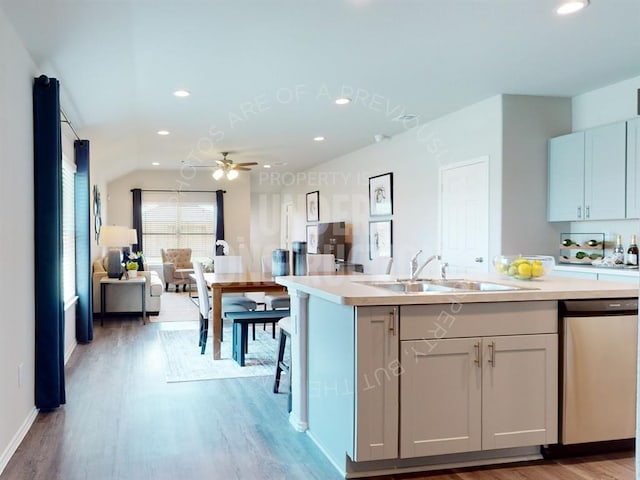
[(477, 285), (411, 287), (453, 285)]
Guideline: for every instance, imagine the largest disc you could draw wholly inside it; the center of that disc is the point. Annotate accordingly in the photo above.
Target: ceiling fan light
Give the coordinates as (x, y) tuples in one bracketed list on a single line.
[(232, 174), (218, 173)]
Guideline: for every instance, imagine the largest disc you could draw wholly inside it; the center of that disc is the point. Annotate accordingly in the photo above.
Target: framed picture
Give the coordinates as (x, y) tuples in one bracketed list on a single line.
[(380, 239), (313, 206), (312, 238), (381, 195)]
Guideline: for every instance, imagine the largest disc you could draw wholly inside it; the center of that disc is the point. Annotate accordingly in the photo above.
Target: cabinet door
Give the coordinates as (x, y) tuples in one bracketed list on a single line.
[(633, 168), (605, 171), (519, 391), (566, 178), (377, 372), (440, 390)]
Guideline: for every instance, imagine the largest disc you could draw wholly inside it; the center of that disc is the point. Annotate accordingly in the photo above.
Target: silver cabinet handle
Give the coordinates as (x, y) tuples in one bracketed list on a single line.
[(477, 348), (579, 212), (586, 211), (492, 357), (479, 259), (392, 322)]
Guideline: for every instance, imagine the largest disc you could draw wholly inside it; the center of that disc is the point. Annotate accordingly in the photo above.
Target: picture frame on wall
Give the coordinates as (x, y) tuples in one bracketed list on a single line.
[(313, 206), (312, 238), (381, 195), (380, 239)]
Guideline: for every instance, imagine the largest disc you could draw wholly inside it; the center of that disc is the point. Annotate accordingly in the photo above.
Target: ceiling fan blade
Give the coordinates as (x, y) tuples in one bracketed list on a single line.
[(246, 164), (222, 163), (244, 169)]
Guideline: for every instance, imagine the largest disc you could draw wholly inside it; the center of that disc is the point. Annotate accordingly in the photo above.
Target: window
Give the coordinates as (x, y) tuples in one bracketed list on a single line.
[(178, 220), (68, 230)]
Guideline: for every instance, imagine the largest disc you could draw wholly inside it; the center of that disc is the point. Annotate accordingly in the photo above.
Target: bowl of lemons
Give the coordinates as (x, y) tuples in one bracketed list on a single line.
[(524, 267)]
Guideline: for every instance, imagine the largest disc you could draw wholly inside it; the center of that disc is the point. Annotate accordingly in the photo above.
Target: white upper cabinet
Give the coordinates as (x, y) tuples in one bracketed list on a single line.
[(633, 168), (605, 172), (587, 175), (566, 177)]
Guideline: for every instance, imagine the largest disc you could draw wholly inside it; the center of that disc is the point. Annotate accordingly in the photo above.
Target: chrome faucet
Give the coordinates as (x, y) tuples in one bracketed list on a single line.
[(415, 270)]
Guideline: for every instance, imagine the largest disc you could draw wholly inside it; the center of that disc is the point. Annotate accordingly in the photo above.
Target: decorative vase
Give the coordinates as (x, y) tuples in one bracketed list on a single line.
[(132, 273)]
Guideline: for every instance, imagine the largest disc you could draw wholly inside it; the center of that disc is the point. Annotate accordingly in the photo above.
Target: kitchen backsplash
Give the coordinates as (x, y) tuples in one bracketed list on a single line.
[(610, 228)]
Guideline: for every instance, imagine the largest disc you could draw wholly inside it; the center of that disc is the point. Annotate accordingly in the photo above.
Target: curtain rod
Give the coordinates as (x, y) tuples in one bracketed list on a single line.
[(179, 191), (65, 119)]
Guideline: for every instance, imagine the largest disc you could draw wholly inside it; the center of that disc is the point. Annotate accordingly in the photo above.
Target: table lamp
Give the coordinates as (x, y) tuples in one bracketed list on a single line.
[(133, 240), (115, 237)]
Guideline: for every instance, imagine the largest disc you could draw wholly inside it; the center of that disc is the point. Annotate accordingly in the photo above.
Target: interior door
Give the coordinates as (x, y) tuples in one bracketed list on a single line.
[(464, 215)]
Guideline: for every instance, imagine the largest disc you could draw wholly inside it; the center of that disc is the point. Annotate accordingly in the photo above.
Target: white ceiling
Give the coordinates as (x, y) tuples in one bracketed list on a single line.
[(263, 74)]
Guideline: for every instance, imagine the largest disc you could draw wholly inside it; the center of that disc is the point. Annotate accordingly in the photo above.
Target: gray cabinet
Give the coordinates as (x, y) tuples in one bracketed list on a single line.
[(587, 174), (633, 168), (566, 178), (377, 379), (493, 386)]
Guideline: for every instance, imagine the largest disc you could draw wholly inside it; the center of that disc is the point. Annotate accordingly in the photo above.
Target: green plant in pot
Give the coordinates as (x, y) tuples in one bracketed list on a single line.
[(132, 268)]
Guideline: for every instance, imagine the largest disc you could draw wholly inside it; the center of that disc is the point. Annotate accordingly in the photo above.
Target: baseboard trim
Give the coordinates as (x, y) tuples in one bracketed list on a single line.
[(17, 439), (67, 355), (339, 468)]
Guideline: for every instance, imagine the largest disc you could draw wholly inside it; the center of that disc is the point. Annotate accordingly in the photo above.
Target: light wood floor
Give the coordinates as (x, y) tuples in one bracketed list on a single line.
[(123, 421)]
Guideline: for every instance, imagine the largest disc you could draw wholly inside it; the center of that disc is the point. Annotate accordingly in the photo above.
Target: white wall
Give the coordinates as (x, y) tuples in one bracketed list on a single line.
[(414, 157), (237, 202), (613, 103), (16, 236)]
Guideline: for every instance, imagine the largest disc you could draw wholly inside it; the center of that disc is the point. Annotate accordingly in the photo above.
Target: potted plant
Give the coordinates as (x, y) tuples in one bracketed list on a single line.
[(132, 268)]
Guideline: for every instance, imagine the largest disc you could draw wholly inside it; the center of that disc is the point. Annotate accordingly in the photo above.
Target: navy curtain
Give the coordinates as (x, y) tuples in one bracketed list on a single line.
[(137, 217), (49, 307), (84, 310), (219, 220)]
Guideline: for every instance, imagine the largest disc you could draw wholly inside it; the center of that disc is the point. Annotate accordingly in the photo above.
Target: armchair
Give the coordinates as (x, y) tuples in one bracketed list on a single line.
[(176, 267)]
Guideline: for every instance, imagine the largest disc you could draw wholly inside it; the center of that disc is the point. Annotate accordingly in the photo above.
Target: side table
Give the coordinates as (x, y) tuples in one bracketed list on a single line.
[(138, 281)]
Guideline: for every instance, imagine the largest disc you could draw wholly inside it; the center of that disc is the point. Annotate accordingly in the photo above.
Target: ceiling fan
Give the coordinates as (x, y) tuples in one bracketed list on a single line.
[(229, 169)]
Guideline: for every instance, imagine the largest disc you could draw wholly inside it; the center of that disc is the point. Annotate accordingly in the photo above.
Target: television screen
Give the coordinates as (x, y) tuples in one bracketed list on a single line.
[(332, 238)]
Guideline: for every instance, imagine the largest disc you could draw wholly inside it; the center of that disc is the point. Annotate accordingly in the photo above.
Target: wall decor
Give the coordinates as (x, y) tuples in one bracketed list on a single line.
[(312, 238), (97, 213), (313, 206), (381, 195), (380, 239)]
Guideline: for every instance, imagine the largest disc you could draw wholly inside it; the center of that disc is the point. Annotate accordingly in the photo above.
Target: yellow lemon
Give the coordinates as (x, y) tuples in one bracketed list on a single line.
[(524, 270), (537, 270)]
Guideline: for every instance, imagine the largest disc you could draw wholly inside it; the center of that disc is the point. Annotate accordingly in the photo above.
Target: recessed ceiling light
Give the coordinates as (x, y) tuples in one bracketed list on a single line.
[(181, 93), (163, 132), (266, 166), (343, 101), (318, 139), (155, 164), (571, 6), (405, 117)]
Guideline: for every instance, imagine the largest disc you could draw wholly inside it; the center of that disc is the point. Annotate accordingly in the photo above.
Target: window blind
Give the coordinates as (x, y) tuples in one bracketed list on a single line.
[(68, 230), (178, 220)]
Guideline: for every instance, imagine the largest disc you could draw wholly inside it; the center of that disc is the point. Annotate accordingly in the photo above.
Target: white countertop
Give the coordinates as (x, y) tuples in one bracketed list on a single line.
[(350, 290)]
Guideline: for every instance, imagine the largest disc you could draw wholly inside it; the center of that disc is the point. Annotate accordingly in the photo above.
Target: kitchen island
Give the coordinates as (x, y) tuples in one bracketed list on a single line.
[(386, 381)]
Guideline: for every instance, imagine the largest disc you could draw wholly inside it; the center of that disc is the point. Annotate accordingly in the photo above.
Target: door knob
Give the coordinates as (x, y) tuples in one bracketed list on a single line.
[(479, 259)]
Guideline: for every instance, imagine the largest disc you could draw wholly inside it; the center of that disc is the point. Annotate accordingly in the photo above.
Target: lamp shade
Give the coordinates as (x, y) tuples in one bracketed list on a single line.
[(114, 236), (133, 236)]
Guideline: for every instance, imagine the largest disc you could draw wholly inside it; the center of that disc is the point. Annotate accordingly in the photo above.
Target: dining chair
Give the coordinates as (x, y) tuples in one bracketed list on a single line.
[(233, 264), (281, 365), (321, 263), (205, 307), (273, 301), (381, 266)]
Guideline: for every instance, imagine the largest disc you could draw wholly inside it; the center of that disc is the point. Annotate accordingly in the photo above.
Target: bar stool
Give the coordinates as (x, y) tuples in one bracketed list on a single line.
[(285, 331)]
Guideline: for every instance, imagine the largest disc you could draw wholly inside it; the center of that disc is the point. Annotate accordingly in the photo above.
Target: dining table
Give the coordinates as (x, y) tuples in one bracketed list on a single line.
[(221, 283)]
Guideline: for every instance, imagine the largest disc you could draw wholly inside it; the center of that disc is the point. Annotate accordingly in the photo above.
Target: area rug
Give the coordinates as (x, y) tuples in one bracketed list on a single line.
[(176, 307), (184, 363)]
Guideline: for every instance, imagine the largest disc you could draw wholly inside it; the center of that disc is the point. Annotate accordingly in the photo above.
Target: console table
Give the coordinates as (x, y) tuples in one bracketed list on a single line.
[(130, 283)]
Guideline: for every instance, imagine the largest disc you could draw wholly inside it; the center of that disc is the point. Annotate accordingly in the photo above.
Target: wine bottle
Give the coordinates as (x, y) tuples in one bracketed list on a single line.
[(618, 250), (632, 252)]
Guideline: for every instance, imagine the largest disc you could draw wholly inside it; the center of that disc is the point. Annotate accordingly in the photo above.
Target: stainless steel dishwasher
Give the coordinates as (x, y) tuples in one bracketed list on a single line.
[(598, 371)]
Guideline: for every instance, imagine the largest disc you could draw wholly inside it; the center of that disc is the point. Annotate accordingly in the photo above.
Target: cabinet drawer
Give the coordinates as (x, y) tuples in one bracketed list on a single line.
[(477, 319)]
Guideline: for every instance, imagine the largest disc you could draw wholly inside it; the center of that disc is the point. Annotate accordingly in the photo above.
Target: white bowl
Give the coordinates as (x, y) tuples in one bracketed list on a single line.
[(524, 267)]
